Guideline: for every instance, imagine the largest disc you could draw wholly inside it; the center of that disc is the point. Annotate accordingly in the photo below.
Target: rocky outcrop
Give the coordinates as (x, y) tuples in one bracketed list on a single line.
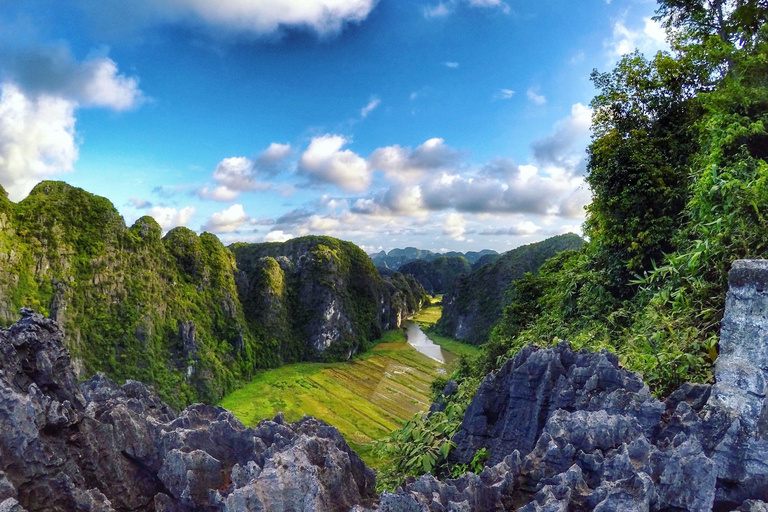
[(476, 301), (102, 447), (322, 297), (573, 431)]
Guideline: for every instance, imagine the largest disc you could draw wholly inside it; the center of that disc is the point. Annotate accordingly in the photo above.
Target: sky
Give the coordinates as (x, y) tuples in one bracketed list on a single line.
[(438, 124)]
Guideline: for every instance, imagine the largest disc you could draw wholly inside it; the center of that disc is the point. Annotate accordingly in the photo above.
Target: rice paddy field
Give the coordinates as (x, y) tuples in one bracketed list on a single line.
[(365, 398)]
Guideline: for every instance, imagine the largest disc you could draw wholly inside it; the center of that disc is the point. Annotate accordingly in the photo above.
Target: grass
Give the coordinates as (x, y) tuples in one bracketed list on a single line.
[(366, 398)]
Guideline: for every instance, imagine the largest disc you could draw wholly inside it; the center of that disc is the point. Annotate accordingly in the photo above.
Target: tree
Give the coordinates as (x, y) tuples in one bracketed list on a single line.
[(644, 137)]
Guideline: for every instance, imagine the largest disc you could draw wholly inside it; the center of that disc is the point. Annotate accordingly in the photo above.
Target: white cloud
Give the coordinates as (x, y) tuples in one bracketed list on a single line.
[(503, 94), (573, 131), (438, 11), (454, 226), (535, 97), (169, 218), (452, 65), (240, 174), (267, 161), (648, 39), (405, 165), (277, 236), (443, 9), (250, 16), (369, 107), (227, 221), (325, 161), (520, 228), (221, 193), (52, 71), (37, 139)]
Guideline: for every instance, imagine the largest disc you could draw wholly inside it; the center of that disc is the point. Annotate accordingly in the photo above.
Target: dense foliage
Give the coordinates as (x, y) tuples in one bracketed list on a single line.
[(168, 310), (437, 275), (678, 168), (475, 302)]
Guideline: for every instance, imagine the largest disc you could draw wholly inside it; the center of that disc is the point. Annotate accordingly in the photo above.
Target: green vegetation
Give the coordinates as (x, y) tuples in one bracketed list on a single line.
[(678, 168), (167, 310), (437, 275), (475, 302), (366, 398)]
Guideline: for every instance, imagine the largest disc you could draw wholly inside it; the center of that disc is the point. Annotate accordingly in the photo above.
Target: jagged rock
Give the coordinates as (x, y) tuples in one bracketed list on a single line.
[(573, 431), (101, 447)]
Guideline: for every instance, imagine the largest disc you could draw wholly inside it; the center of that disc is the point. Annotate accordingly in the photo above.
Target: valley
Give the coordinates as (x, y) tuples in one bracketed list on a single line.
[(366, 398)]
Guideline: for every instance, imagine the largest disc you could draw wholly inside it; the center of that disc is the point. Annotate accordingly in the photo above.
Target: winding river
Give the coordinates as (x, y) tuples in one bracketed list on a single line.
[(418, 340)]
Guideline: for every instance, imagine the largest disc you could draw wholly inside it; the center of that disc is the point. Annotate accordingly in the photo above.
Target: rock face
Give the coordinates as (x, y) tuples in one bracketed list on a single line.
[(572, 431), (476, 301), (103, 447), (321, 297)]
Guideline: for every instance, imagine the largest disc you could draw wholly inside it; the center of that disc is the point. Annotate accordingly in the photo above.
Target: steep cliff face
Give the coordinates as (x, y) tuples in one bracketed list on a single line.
[(167, 310), (475, 301), (322, 295), (132, 304), (437, 275)]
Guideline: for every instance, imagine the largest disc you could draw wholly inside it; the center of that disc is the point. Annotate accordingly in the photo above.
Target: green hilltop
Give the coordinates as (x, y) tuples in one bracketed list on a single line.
[(167, 310)]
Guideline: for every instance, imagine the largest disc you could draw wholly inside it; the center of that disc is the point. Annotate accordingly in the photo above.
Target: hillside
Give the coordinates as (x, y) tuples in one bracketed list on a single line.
[(476, 301), (322, 298), (165, 310), (437, 275)]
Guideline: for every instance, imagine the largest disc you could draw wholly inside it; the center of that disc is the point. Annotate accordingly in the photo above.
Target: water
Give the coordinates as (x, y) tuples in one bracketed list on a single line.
[(423, 344)]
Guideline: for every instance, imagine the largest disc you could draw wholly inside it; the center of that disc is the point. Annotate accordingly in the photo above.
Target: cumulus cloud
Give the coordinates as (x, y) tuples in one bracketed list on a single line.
[(227, 221), (521, 228), (277, 236), (41, 89), (454, 226), (169, 218), (649, 38), (37, 139), (369, 107), (241, 174), (535, 97), (557, 148), (552, 187), (451, 65), (406, 165), (52, 71), (258, 17), (325, 161)]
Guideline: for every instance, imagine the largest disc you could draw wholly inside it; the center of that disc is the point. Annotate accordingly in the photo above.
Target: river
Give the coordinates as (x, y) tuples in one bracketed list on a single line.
[(418, 340)]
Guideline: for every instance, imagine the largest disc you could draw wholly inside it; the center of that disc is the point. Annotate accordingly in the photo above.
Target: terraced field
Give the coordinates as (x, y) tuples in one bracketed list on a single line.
[(366, 398)]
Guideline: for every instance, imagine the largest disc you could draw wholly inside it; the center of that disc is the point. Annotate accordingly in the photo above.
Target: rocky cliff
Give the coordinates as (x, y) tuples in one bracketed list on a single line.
[(97, 446), (566, 431), (572, 431), (475, 302), (167, 310), (321, 297)]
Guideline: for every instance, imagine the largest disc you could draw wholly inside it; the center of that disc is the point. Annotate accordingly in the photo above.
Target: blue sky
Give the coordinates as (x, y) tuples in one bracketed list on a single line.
[(442, 124)]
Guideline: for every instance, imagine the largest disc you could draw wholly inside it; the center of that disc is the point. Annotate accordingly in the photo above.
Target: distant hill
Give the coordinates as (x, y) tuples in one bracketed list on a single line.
[(476, 301), (396, 258), (437, 275)]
